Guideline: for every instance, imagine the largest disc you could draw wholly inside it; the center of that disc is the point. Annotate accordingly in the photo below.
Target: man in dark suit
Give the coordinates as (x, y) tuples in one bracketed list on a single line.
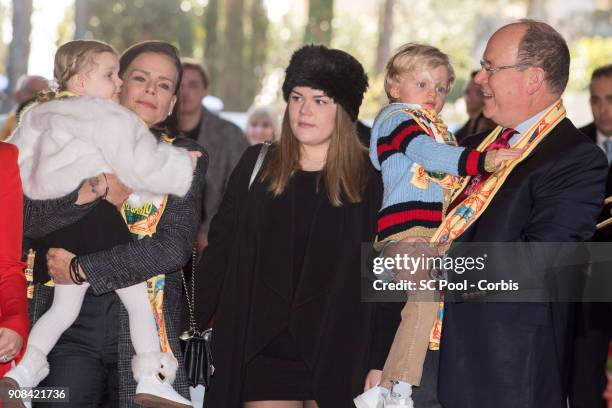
[(516, 354), (224, 141), (473, 105), (600, 88), (594, 322)]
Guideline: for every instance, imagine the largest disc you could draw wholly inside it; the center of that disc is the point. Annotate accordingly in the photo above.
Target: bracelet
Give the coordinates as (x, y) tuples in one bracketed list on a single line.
[(71, 270), (75, 275), (73, 263), (106, 190)]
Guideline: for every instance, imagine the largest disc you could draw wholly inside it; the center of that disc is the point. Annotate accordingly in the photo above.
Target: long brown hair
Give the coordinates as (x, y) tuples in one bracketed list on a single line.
[(345, 173)]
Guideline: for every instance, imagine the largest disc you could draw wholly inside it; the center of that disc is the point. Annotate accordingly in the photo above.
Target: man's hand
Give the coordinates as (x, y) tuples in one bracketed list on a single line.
[(10, 344), (58, 264)]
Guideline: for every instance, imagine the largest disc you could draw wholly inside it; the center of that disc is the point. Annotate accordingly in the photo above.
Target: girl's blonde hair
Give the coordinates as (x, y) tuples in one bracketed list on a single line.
[(76, 56), (411, 57), (346, 169), (71, 58)]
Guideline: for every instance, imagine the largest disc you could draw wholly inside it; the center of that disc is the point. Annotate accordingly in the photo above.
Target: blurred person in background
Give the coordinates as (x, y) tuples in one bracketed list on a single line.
[(28, 86), (600, 89), (261, 126), (594, 320), (473, 103), (223, 140)]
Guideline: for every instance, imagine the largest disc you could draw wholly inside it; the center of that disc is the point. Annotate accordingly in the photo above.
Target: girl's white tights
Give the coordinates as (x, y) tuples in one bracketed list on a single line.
[(67, 301)]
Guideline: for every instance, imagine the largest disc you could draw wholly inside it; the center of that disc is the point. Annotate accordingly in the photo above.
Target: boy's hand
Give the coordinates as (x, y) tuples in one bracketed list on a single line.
[(495, 158), (372, 379)]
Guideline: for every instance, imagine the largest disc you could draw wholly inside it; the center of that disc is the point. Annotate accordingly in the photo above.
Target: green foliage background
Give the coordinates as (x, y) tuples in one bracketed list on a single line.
[(200, 29)]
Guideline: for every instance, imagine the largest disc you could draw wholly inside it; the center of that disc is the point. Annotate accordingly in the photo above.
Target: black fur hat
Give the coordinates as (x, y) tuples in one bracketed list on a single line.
[(332, 71)]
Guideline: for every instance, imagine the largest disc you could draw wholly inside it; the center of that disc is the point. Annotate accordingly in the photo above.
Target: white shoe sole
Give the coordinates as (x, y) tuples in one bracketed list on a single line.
[(359, 403), (155, 401)]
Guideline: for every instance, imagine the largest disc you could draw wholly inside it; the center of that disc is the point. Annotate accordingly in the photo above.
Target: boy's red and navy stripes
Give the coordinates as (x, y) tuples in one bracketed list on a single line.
[(471, 162), (399, 139), (403, 216)]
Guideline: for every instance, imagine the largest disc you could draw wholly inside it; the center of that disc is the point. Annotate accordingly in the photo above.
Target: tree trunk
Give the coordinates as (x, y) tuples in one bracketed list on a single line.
[(536, 9), (257, 51), (19, 50), (319, 26), (212, 46), (233, 60), (81, 18), (385, 28)]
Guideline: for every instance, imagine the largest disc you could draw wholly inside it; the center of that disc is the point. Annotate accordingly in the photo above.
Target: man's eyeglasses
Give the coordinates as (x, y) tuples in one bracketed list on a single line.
[(494, 70)]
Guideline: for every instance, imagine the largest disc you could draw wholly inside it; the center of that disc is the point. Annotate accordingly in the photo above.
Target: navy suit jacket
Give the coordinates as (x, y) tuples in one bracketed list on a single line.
[(590, 131), (516, 354)]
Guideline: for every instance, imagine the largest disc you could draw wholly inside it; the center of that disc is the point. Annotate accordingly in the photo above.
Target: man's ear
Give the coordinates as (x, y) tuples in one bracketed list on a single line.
[(535, 79)]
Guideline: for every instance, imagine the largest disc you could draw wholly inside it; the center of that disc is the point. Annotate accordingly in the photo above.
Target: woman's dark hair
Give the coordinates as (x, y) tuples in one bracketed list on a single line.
[(171, 123)]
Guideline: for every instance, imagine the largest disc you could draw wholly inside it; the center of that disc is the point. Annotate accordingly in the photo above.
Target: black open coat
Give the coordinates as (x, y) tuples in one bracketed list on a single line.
[(244, 281)]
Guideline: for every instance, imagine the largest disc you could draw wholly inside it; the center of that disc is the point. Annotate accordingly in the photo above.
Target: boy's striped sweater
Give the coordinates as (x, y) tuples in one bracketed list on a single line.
[(398, 146)]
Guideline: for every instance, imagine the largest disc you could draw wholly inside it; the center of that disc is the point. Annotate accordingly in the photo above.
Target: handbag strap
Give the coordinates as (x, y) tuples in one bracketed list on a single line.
[(260, 160), (191, 299)]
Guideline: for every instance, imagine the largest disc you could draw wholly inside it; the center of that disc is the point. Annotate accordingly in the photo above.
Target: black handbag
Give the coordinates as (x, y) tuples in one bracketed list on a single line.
[(197, 357)]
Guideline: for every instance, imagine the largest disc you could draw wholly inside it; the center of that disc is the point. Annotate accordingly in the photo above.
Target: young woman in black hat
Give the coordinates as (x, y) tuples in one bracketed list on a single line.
[(281, 274)]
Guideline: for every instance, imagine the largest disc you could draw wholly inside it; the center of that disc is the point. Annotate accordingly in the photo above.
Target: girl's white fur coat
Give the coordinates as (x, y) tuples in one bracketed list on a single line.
[(64, 141)]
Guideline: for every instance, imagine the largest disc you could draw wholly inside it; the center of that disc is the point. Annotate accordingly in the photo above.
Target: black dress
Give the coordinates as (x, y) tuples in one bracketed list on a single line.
[(247, 282), (278, 372)]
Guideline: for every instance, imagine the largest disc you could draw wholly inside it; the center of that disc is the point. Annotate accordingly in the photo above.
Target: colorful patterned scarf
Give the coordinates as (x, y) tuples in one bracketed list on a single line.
[(471, 208)]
